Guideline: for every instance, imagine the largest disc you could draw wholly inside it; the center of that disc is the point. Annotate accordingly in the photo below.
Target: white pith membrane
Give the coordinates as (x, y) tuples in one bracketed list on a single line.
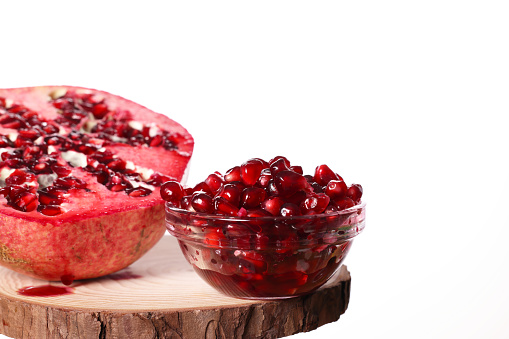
[(138, 179)]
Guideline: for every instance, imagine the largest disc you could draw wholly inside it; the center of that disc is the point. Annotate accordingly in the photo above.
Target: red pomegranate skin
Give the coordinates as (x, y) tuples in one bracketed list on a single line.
[(101, 231)]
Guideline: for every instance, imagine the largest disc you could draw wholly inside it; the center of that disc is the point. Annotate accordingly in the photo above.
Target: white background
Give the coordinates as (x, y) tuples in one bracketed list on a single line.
[(407, 98)]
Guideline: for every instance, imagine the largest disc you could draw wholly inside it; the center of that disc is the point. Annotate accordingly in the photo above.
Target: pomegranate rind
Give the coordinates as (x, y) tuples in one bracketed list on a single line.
[(101, 231), (82, 249)]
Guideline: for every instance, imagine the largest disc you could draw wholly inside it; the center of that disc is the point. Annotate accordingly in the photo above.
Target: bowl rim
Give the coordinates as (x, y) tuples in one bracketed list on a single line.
[(359, 207)]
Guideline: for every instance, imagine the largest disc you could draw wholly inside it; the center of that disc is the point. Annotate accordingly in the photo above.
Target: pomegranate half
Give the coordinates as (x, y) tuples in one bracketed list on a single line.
[(80, 175)]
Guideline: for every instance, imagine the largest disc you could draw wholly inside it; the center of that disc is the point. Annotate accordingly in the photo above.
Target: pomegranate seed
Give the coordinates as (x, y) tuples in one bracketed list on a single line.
[(250, 171), (50, 210), (315, 204), (281, 164), (99, 111), (252, 197), (156, 141), (61, 171), (31, 134), (139, 192), (202, 187), (279, 157), (214, 181), (185, 203), (222, 206), (288, 183), (265, 177), (272, 205), (157, 179), (20, 142), (19, 177), (272, 189), (172, 192), (345, 203), (69, 182), (289, 210), (47, 198), (117, 165), (202, 202), (25, 201), (259, 213), (297, 198), (323, 174), (4, 141), (355, 192), (233, 174), (297, 169), (231, 193), (336, 189)]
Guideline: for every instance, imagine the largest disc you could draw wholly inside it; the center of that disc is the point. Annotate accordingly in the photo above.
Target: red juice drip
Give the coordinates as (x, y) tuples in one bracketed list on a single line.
[(67, 279), (45, 291)]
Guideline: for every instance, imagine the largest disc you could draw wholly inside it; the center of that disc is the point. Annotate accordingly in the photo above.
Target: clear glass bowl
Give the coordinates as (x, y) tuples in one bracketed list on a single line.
[(265, 257)]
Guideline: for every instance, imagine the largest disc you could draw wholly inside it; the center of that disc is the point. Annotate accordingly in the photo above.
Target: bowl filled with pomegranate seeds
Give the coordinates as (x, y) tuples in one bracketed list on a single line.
[(264, 230)]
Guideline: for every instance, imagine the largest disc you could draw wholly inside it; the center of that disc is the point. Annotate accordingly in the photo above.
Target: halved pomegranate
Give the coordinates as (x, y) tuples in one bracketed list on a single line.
[(80, 177)]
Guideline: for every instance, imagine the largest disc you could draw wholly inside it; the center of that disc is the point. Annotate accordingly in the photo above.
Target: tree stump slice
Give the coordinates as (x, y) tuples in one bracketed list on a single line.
[(160, 296)]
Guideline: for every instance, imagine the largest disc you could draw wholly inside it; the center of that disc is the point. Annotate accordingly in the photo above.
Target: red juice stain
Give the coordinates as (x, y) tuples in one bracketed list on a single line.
[(45, 291)]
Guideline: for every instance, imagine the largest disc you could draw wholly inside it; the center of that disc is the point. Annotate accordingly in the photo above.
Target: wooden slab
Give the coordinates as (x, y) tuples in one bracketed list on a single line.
[(160, 296)]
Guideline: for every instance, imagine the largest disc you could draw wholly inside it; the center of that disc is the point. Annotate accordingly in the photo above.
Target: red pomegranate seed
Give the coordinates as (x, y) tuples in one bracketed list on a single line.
[(355, 192), (281, 164), (202, 187), (265, 177), (202, 202), (31, 134), (315, 203), (222, 206), (117, 165), (252, 197), (345, 203), (69, 182), (50, 210), (250, 171), (47, 198), (272, 189), (172, 192), (100, 110), (233, 174), (60, 170), (19, 177), (289, 210), (288, 183), (231, 193), (139, 192), (157, 179), (20, 142), (185, 203), (297, 198), (323, 174), (280, 157), (336, 189), (297, 169), (4, 141), (214, 181), (272, 205), (25, 201), (156, 141)]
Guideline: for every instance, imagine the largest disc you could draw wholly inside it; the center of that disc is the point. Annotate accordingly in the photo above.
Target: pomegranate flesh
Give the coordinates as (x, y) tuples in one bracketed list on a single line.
[(80, 178)]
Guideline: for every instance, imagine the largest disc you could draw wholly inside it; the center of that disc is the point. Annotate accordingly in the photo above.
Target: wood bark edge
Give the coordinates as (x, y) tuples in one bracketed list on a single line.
[(272, 319)]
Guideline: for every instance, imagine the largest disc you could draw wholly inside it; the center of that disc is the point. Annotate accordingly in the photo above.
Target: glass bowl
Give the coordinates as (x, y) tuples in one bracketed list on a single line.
[(265, 257)]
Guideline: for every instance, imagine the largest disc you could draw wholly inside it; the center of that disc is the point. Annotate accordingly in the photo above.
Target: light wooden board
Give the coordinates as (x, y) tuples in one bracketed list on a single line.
[(160, 296)]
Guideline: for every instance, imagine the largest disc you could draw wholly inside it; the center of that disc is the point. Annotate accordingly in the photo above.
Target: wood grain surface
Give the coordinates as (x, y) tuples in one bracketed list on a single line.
[(160, 296)]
